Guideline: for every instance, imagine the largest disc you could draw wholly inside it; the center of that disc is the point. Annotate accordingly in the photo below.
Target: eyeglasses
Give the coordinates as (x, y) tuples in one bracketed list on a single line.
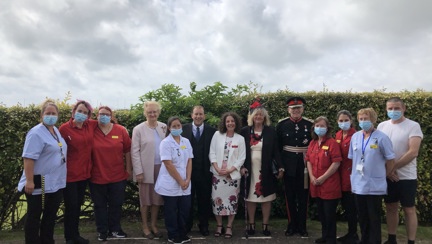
[(178, 152), (102, 114)]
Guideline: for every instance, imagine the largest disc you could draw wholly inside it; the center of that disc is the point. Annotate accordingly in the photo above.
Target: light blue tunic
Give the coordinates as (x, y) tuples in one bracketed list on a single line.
[(377, 151), (43, 148)]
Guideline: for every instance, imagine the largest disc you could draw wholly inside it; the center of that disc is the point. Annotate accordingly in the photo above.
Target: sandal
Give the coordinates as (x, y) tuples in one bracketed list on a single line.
[(251, 229), (265, 231), (157, 235), (149, 236), (222, 231), (227, 235)]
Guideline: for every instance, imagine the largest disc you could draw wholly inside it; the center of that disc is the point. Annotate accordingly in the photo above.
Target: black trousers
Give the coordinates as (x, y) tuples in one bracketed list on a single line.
[(73, 196), (349, 205), (297, 200), (37, 230), (369, 213), (176, 212), (108, 200), (201, 196), (327, 216)]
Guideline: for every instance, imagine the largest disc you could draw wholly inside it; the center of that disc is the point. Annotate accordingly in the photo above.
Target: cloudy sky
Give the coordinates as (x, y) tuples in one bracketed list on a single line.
[(113, 51)]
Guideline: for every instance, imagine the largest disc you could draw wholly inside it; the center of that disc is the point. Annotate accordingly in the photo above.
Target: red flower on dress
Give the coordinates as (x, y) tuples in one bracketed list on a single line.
[(232, 198), (258, 187), (254, 141)]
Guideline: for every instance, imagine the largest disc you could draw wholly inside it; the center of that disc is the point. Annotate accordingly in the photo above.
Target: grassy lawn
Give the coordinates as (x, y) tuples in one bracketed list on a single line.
[(133, 228)]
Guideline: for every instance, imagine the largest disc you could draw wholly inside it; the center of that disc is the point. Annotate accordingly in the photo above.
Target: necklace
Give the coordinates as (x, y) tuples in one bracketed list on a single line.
[(255, 136)]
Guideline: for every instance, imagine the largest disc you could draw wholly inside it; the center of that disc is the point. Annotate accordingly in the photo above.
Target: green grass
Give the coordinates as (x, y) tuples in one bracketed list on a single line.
[(133, 227)]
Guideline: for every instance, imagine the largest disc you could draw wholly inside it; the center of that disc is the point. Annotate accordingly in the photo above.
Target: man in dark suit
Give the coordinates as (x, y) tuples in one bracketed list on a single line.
[(200, 136)]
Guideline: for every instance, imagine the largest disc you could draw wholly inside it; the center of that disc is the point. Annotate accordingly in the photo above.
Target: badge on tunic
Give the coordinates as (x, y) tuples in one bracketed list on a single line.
[(296, 128), (325, 147), (114, 137), (60, 144), (305, 141), (183, 147)]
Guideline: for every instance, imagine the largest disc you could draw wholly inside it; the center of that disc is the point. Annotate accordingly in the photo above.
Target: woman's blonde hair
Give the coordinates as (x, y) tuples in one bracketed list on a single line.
[(370, 112), (264, 113), (46, 104)]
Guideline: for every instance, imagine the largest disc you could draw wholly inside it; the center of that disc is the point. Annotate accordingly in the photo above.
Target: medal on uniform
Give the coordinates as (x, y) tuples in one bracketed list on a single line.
[(296, 127)]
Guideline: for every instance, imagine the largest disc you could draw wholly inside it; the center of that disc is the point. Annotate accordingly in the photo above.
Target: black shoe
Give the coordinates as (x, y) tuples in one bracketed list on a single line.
[(81, 240), (390, 242), (343, 238), (102, 236), (304, 234), (321, 240), (251, 229), (348, 236), (204, 230), (265, 231), (290, 232), (117, 234), (70, 242), (353, 238), (176, 240), (185, 239)]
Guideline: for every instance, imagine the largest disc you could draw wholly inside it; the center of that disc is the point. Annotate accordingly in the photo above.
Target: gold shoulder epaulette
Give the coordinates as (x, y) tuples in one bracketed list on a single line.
[(310, 120), (283, 119)]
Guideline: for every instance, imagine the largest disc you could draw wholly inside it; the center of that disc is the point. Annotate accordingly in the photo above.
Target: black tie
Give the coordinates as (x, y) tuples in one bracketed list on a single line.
[(197, 134)]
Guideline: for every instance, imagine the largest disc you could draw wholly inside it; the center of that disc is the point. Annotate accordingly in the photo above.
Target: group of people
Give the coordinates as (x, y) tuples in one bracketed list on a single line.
[(60, 164), (176, 165)]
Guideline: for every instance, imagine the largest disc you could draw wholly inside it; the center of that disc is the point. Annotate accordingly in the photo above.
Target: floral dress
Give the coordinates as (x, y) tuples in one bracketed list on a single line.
[(225, 190), (255, 189)]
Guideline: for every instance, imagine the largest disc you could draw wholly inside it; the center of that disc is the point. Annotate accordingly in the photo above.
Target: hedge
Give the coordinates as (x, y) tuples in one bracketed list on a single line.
[(17, 120)]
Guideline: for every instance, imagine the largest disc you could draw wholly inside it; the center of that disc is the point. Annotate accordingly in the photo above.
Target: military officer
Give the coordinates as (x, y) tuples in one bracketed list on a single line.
[(294, 134)]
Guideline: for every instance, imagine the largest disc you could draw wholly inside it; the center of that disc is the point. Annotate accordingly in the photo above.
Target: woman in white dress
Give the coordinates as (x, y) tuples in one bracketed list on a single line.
[(261, 151), (227, 155)]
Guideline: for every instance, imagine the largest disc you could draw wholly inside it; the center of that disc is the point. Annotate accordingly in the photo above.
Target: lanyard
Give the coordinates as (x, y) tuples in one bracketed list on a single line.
[(56, 137), (364, 146)]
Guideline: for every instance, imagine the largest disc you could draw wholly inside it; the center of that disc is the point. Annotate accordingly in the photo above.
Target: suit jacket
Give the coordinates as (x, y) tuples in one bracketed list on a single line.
[(270, 152), (201, 171), (143, 150), (236, 157)]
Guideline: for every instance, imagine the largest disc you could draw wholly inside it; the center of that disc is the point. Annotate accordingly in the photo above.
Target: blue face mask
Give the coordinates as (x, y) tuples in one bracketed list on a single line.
[(394, 114), (50, 119), (365, 125), (80, 117), (104, 119), (320, 131), (344, 125), (176, 132)]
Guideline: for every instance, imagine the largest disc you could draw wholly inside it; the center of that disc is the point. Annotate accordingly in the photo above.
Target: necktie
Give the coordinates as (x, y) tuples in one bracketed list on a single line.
[(198, 134)]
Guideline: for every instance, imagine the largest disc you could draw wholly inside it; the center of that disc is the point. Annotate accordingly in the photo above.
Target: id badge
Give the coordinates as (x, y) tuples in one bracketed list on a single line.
[(359, 167)]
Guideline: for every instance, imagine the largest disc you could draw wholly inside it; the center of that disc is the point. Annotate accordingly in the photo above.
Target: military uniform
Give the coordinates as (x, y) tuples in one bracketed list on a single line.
[(294, 137)]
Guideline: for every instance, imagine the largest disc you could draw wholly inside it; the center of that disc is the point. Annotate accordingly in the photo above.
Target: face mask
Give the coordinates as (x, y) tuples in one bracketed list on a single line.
[(344, 125), (50, 119), (394, 114), (104, 119), (365, 125), (176, 132), (320, 131), (80, 117)]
